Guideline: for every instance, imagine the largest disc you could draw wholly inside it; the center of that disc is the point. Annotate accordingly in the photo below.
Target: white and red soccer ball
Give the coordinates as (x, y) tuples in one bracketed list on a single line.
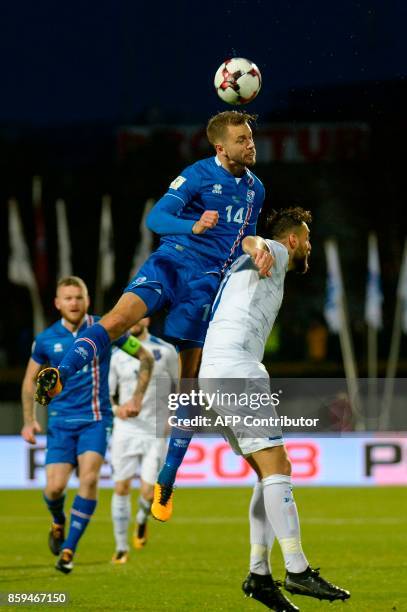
[(237, 81)]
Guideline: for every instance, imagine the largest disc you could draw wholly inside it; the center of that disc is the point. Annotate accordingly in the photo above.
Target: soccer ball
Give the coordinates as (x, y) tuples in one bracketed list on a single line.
[(237, 81)]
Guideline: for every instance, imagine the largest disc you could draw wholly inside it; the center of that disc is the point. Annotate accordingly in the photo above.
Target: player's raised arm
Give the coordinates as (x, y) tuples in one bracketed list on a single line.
[(257, 248), (133, 347), (31, 425)]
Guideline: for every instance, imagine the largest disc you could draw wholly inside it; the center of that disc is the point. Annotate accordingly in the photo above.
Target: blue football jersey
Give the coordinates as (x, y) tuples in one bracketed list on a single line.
[(85, 396), (206, 185)]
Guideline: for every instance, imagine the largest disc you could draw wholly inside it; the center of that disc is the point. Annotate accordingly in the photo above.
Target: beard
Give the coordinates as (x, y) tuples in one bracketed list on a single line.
[(300, 261)]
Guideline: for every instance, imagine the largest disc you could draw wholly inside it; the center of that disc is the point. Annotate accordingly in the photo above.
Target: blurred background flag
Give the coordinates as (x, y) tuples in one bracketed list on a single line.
[(336, 316), (374, 295), (40, 243), (105, 271), (20, 271), (64, 243), (399, 326), (402, 290), (145, 245), (334, 288)]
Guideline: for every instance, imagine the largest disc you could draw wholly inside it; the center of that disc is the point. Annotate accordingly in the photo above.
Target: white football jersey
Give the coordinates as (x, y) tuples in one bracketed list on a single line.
[(245, 308), (123, 379)]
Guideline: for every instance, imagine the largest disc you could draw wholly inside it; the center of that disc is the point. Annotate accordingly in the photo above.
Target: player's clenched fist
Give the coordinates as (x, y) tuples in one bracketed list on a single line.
[(207, 221)]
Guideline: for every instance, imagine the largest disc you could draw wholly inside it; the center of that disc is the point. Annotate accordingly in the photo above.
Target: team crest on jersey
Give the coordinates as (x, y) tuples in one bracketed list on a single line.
[(250, 196), (176, 183), (58, 348), (157, 354), (217, 188)]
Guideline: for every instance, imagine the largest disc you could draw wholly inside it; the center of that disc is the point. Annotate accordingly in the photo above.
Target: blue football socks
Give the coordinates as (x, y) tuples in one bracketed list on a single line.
[(81, 513), (56, 507), (177, 448)]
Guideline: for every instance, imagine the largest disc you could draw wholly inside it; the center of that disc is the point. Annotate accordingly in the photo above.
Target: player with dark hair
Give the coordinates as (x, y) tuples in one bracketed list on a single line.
[(243, 315), (80, 417), (202, 220)]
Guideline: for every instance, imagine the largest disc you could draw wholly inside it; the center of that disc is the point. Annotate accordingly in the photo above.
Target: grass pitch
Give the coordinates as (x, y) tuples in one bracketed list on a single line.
[(198, 560)]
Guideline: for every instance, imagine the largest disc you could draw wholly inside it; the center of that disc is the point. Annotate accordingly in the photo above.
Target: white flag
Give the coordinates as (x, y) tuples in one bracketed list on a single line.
[(402, 289), (106, 252), (374, 295), (145, 246), (20, 271), (334, 288), (64, 243)]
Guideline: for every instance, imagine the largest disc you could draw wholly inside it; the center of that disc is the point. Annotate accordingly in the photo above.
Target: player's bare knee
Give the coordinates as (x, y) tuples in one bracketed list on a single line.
[(147, 491), (89, 481), (122, 487), (55, 488)]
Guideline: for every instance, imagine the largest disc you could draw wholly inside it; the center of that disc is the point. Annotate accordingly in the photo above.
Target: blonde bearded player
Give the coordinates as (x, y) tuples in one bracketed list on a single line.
[(138, 443), (243, 315)]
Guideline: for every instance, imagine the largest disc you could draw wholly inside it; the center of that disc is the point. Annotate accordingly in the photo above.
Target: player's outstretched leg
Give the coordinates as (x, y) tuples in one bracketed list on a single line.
[(48, 386), (267, 591), (311, 584)]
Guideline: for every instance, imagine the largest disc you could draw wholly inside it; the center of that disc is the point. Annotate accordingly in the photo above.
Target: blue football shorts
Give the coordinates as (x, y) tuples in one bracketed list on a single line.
[(66, 440), (173, 280)]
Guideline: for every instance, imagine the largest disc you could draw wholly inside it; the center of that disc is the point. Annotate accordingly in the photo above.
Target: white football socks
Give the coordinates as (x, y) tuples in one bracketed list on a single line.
[(282, 513), (261, 533), (144, 508), (121, 514)]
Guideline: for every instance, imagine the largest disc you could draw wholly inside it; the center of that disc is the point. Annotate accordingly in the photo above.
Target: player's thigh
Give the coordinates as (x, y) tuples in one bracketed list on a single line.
[(90, 463), (153, 459), (128, 310), (271, 460), (190, 359), (189, 314), (155, 283), (94, 437)]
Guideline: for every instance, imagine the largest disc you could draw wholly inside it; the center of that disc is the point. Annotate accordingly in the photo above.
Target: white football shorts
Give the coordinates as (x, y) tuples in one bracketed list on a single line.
[(132, 455)]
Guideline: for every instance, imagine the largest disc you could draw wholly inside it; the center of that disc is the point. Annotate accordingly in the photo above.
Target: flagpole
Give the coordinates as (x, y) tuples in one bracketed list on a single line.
[(391, 369), (373, 316), (337, 318)]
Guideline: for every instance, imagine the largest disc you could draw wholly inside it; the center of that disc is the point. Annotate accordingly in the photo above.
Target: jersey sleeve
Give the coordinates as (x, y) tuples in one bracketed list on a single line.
[(38, 353), (280, 254), (166, 216)]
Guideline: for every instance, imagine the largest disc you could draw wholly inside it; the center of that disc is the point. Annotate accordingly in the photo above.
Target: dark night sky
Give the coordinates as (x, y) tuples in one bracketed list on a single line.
[(110, 60)]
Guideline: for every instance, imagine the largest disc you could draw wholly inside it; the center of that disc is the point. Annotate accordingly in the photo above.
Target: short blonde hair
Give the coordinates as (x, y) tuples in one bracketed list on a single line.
[(216, 128), (72, 281)]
